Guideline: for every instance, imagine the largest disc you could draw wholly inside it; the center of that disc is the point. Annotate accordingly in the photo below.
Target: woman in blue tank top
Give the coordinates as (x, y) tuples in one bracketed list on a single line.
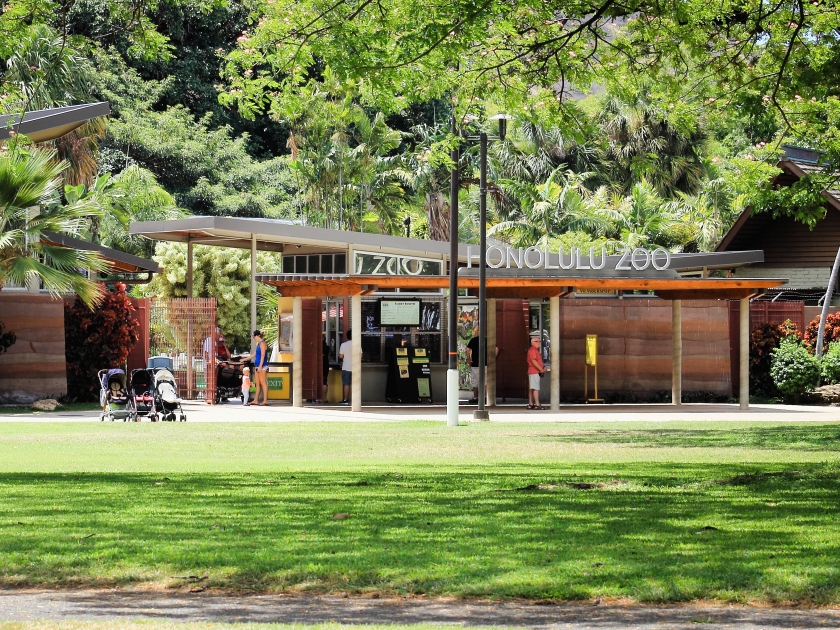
[(260, 357)]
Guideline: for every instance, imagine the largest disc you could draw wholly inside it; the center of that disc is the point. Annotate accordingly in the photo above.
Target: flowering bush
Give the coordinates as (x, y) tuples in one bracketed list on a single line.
[(832, 331), (763, 340), (97, 339), (794, 370)]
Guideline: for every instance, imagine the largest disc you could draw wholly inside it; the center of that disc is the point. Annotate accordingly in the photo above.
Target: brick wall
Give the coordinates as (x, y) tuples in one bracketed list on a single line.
[(798, 277), (34, 367)]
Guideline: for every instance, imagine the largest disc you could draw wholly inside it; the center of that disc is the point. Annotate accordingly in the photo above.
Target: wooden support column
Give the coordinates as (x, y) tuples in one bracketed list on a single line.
[(554, 340), (744, 352), (297, 350), (676, 364), (356, 319), (491, 352), (190, 269)]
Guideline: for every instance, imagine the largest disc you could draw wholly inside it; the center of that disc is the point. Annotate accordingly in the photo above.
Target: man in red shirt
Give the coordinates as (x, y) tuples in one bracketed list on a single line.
[(536, 368)]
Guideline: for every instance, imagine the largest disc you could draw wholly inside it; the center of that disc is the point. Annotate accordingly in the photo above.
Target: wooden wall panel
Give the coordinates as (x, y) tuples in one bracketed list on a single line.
[(139, 356), (312, 333), (512, 341), (35, 366), (634, 346)]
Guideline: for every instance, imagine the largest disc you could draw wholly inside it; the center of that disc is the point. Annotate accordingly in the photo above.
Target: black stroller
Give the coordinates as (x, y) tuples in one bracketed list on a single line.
[(114, 397), (143, 392), (229, 379)]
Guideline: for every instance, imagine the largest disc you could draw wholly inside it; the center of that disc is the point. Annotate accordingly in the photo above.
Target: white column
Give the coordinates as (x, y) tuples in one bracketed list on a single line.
[(254, 282), (554, 340), (492, 343), (676, 362), (297, 350), (190, 269), (356, 318), (744, 352)]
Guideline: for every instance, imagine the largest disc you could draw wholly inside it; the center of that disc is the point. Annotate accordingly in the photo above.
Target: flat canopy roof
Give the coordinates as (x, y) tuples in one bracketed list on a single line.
[(48, 124), (120, 262), (285, 236), (531, 283)]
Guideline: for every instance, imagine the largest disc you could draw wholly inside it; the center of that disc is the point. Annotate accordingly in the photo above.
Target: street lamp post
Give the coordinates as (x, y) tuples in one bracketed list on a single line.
[(452, 370), (481, 413)]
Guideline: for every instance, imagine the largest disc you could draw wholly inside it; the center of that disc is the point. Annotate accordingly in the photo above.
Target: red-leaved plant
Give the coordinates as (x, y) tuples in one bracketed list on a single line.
[(832, 331), (97, 339)]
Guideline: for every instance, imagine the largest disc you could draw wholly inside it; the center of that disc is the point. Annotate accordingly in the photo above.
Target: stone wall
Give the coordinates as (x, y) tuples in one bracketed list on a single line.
[(34, 367)]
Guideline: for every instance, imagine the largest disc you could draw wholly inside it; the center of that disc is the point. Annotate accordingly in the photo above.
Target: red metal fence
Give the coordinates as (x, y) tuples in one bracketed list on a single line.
[(184, 329)]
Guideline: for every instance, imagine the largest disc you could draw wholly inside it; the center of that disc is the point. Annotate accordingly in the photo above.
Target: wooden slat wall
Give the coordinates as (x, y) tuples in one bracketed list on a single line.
[(789, 243), (35, 366)]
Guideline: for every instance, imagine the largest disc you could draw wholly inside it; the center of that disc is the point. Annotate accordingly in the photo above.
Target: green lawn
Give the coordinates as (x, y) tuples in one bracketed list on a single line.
[(653, 512)]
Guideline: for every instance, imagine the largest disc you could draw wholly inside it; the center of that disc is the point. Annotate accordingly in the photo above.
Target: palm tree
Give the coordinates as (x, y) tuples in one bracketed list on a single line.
[(643, 143), (46, 71), (32, 178)]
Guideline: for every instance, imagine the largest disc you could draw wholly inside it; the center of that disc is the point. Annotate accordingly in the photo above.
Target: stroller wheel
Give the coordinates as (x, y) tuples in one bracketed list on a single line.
[(102, 417), (183, 417)]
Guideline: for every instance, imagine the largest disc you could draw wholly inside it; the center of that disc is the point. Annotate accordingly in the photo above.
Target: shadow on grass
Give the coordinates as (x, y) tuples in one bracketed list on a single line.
[(811, 437), (670, 533)]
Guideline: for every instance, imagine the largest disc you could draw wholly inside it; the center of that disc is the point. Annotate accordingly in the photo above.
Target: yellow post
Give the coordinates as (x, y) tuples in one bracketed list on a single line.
[(591, 359)]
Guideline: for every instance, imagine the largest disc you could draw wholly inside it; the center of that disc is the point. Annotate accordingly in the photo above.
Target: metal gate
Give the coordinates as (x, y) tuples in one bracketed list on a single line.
[(184, 329)]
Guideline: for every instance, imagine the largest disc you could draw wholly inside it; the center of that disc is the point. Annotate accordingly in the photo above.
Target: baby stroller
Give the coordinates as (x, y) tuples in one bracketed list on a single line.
[(143, 393), (229, 380), (166, 400), (114, 396)]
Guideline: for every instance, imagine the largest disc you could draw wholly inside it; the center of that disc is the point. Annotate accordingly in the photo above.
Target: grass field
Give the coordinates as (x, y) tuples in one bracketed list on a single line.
[(652, 512)]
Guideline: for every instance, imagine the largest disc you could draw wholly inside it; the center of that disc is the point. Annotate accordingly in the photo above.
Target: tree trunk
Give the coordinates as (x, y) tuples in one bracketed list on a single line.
[(437, 216)]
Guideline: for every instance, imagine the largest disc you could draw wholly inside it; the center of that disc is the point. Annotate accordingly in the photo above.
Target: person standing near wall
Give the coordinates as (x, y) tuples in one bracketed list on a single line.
[(260, 357), (536, 368), (473, 360), (345, 354)]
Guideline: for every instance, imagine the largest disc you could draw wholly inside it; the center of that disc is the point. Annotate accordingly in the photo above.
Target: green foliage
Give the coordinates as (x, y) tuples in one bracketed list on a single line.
[(221, 273), (764, 339), (97, 339), (31, 178), (830, 364), (793, 369), (7, 339)]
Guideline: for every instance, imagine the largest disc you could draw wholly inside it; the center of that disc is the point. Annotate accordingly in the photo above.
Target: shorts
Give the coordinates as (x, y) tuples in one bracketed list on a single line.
[(346, 377), (534, 381), (474, 376)]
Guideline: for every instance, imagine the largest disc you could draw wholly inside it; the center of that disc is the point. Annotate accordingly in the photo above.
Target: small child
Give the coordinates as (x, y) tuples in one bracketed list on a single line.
[(246, 386)]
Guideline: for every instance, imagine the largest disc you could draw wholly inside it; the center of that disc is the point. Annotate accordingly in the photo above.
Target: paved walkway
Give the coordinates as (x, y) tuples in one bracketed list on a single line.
[(120, 605), (283, 412)]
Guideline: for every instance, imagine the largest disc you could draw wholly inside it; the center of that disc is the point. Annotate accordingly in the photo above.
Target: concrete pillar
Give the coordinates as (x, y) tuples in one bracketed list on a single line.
[(492, 343), (356, 318), (744, 352), (554, 340), (676, 362), (190, 270), (254, 282), (297, 350)]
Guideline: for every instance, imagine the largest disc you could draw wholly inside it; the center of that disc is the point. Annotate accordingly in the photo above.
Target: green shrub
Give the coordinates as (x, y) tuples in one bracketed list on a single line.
[(830, 364), (765, 338), (794, 370)]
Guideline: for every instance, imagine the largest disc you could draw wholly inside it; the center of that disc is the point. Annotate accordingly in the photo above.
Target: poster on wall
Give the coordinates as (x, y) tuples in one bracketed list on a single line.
[(399, 312)]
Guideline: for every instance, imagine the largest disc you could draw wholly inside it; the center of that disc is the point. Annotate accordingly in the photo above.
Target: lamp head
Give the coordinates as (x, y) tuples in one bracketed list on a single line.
[(502, 118)]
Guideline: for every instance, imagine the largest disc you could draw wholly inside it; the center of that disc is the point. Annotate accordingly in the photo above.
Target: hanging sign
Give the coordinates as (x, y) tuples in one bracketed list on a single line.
[(373, 264)]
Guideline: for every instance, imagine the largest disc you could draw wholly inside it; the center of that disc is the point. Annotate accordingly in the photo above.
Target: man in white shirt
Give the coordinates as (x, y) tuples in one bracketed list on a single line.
[(345, 353)]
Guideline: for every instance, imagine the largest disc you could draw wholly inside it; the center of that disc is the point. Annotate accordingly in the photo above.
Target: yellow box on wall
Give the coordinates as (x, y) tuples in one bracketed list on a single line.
[(279, 384)]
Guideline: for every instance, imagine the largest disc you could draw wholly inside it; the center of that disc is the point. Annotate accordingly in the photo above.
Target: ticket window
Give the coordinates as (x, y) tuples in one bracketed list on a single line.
[(332, 319)]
